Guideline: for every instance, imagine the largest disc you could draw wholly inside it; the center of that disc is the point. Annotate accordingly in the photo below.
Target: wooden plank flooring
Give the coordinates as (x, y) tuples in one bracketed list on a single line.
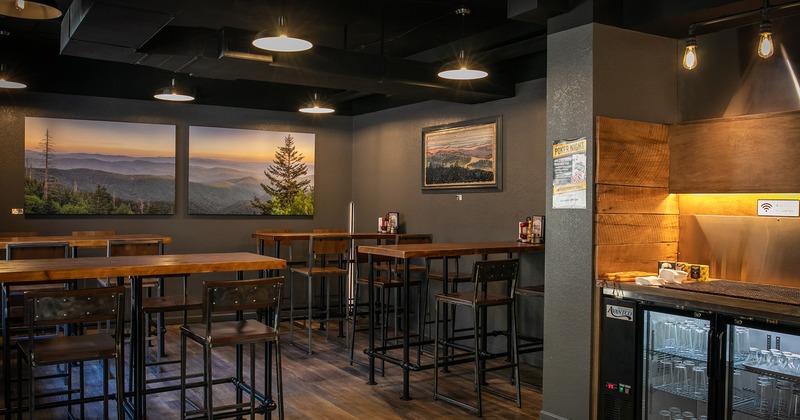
[(324, 386)]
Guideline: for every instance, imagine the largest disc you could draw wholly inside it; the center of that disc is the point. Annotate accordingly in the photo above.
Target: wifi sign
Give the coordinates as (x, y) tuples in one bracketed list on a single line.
[(779, 208)]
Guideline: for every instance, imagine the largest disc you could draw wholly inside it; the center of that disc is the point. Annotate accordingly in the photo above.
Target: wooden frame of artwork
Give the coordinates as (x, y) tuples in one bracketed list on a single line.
[(463, 155)]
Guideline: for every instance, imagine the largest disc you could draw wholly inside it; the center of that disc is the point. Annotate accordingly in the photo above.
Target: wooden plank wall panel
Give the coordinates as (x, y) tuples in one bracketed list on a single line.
[(626, 199), (736, 155), (632, 153), (636, 228), (636, 220), (634, 257)]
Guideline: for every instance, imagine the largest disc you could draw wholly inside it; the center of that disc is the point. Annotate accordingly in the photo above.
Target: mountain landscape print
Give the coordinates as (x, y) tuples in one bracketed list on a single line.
[(461, 156), (250, 172), (98, 167)]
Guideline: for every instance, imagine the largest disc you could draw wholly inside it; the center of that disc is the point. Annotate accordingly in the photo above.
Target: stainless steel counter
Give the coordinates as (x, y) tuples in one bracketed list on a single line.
[(684, 299)]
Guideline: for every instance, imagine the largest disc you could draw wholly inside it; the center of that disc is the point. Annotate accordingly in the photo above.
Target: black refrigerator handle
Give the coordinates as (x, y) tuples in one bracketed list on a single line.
[(715, 346)]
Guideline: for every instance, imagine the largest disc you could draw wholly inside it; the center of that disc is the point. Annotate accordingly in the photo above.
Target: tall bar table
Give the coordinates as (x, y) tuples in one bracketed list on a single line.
[(438, 250)]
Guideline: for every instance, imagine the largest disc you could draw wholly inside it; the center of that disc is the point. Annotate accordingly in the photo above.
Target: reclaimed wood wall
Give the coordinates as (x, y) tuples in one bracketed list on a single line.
[(636, 220), (751, 154)]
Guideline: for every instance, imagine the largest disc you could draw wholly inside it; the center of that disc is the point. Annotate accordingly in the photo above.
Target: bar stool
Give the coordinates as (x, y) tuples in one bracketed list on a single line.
[(480, 299), (49, 308), (326, 259), (235, 297), (11, 304)]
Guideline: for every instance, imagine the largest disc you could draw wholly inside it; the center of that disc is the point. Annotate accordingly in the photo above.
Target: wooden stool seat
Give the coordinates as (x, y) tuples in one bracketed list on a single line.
[(226, 332), (79, 348)]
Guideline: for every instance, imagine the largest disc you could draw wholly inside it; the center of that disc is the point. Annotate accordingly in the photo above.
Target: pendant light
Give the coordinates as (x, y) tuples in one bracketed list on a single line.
[(690, 55), (269, 40), (315, 107), (765, 47), (174, 93), (461, 68), (27, 9), (5, 83)]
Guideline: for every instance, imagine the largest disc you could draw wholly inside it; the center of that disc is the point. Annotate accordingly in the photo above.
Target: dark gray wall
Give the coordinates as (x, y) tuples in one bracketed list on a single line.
[(387, 176), (592, 70), (189, 233)]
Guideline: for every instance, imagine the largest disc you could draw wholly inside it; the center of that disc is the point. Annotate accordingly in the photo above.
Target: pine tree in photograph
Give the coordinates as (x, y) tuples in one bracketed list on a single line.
[(286, 186)]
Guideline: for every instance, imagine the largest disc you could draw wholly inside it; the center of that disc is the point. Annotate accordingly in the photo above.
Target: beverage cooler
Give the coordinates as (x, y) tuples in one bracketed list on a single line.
[(670, 362)]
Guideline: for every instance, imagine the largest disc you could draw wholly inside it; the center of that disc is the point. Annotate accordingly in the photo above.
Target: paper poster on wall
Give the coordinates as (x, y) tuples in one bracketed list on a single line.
[(569, 173)]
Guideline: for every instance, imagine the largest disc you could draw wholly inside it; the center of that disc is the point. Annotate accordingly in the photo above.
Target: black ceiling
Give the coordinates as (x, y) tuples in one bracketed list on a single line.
[(368, 55)]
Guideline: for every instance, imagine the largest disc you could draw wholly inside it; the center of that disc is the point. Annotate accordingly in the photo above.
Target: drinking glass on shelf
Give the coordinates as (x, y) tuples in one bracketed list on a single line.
[(763, 399), (780, 408), (741, 343), (681, 378), (675, 411), (670, 336), (752, 357), (689, 387), (684, 339), (687, 415), (699, 342), (699, 383), (738, 385), (764, 358), (794, 404), (664, 415)]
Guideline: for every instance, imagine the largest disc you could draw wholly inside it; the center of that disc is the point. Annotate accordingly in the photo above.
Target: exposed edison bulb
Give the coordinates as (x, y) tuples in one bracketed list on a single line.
[(690, 55), (765, 47)]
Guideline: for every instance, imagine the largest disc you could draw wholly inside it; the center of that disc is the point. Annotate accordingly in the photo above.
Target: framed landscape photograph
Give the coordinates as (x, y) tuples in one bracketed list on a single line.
[(462, 155), (85, 167), (250, 172)]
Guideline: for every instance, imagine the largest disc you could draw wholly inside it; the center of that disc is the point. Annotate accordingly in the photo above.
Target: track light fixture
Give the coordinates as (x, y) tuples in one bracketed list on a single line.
[(174, 93), (765, 47), (27, 9)]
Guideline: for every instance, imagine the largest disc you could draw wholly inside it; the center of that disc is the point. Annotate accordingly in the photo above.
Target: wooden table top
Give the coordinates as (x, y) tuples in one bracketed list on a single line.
[(449, 249), (32, 271), (304, 236), (99, 241)]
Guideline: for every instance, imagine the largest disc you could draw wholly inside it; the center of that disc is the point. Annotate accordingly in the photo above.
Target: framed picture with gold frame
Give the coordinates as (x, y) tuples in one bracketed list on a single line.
[(463, 155)]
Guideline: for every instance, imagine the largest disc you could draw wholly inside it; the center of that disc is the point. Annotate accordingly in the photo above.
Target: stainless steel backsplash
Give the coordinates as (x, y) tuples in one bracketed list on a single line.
[(751, 249)]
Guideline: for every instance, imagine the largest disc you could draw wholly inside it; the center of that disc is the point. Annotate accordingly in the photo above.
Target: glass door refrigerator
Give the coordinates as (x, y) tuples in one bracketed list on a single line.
[(659, 362)]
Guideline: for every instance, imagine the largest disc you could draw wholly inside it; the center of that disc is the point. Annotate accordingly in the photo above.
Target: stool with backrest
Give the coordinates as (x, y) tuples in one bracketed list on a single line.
[(12, 302), (222, 298), (455, 278), (158, 304), (52, 307), (502, 276), (326, 260), (267, 247)]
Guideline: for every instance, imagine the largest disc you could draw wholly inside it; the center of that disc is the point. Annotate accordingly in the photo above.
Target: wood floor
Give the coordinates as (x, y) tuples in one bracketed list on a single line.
[(324, 386)]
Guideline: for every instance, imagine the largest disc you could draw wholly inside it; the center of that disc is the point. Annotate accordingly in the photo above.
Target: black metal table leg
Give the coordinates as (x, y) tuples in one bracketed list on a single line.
[(371, 318), (406, 333)]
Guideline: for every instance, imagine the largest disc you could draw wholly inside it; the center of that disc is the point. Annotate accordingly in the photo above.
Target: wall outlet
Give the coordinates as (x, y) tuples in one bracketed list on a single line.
[(17, 211), (459, 197), (779, 208)]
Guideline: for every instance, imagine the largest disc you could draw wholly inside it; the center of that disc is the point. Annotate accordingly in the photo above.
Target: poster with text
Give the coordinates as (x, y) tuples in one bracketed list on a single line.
[(569, 174)]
